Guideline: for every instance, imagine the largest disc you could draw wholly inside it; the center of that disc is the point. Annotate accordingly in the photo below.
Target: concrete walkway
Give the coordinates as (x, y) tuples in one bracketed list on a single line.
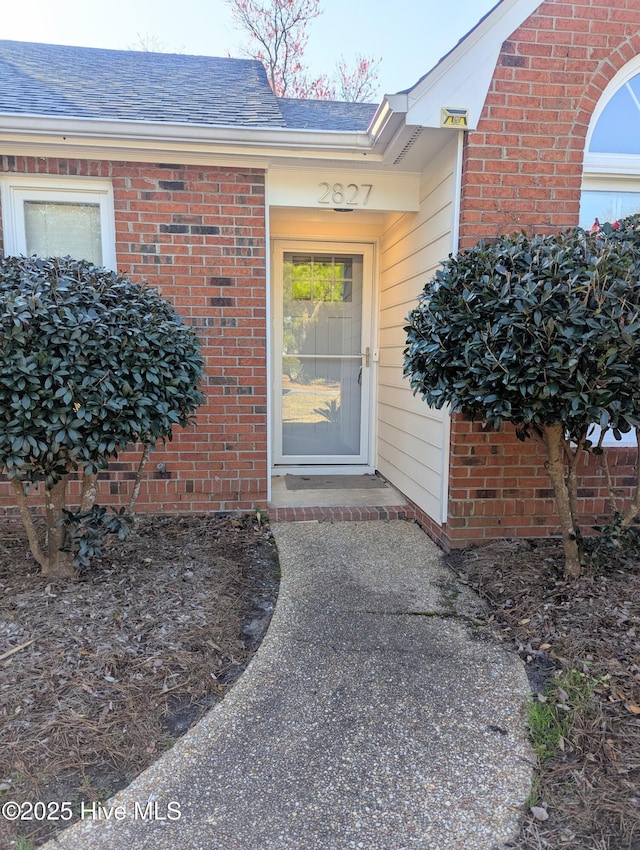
[(371, 717)]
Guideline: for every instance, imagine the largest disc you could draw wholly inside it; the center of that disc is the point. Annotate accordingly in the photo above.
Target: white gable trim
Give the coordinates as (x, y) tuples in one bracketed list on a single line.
[(462, 78)]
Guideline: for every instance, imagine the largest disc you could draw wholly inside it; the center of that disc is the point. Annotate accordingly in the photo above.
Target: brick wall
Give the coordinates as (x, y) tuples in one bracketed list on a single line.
[(499, 486), (197, 234), (523, 170), (523, 164)]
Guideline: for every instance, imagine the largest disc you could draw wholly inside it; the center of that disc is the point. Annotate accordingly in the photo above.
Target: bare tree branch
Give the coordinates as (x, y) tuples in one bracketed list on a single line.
[(604, 464), (359, 84), (277, 37), (148, 43)]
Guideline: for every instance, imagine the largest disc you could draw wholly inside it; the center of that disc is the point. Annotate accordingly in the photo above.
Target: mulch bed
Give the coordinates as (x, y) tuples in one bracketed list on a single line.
[(101, 675), (589, 786)]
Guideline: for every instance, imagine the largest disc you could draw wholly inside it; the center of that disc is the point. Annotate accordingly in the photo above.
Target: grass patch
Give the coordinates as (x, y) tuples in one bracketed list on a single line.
[(552, 715), (23, 844), (579, 642)]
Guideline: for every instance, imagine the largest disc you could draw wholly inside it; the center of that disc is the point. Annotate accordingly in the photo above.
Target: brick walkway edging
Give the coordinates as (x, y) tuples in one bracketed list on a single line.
[(341, 514)]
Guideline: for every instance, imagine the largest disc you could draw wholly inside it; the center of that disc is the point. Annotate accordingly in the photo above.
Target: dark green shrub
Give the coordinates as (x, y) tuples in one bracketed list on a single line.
[(542, 332), (89, 364)]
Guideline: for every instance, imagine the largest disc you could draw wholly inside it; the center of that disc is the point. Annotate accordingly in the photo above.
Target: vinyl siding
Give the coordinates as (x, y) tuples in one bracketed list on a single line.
[(412, 439)]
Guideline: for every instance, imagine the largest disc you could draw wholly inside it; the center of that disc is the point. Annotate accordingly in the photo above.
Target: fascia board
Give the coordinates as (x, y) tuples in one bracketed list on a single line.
[(128, 136), (462, 78), (393, 106)]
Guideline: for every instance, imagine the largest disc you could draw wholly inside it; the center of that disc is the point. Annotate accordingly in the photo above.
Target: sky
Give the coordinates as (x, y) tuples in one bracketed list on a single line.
[(409, 36)]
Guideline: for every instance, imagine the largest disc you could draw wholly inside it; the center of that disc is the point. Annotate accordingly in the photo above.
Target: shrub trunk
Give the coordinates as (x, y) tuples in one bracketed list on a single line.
[(566, 499), (58, 562)]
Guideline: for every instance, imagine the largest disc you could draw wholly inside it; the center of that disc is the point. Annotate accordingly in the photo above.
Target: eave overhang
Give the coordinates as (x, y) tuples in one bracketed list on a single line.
[(404, 132), (34, 135)]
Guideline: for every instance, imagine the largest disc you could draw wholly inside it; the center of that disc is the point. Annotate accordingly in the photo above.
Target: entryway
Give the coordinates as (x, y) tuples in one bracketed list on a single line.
[(335, 498), (322, 356)]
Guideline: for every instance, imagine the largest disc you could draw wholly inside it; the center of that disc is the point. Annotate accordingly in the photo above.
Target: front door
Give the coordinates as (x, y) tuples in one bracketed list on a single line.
[(323, 355)]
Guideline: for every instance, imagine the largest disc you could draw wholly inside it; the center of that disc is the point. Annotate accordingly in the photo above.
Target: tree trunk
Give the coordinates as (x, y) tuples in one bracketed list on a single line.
[(633, 509), (59, 563), (27, 521), (137, 483), (554, 440), (89, 491)]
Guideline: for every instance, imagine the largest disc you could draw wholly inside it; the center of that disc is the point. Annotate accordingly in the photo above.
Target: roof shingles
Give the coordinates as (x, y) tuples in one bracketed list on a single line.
[(326, 114), (124, 85)]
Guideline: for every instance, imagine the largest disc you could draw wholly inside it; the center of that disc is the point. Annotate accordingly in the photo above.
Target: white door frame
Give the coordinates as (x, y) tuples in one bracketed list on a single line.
[(319, 464)]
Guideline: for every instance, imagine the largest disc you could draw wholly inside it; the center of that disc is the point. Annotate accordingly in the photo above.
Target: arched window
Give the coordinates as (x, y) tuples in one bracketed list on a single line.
[(611, 183), (617, 129)]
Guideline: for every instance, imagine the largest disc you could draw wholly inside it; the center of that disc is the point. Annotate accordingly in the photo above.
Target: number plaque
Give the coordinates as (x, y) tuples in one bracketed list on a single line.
[(341, 195)]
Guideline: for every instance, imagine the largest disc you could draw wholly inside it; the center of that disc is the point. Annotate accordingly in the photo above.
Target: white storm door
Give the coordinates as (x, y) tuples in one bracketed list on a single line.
[(322, 350)]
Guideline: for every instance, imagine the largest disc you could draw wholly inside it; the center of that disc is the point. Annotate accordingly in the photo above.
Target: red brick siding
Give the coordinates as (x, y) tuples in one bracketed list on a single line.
[(523, 169), (499, 486), (196, 233), (523, 163)]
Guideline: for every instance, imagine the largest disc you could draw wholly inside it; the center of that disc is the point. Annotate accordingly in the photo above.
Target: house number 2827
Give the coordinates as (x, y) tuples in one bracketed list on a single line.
[(351, 195)]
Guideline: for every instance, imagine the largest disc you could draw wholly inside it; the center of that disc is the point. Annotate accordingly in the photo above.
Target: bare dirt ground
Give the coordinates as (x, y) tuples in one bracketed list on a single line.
[(99, 676), (580, 642)]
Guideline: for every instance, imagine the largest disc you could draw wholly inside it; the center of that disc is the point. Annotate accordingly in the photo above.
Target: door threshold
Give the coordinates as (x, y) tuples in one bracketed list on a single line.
[(300, 469), (329, 496)]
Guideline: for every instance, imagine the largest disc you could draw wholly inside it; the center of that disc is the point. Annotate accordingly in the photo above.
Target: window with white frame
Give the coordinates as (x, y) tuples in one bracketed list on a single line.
[(56, 217), (608, 199), (611, 182)]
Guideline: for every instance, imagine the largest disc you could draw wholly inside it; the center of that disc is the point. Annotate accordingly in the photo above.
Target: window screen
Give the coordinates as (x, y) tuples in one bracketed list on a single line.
[(58, 229)]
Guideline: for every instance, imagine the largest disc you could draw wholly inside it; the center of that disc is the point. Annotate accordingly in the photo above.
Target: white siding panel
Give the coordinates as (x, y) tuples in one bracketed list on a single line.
[(412, 483), (423, 448), (412, 438), (395, 318), (397, 398)]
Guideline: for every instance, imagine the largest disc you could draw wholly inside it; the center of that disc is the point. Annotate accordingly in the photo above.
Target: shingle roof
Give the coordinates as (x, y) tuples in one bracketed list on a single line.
[(326, 114), (127, 85), (82, 82)]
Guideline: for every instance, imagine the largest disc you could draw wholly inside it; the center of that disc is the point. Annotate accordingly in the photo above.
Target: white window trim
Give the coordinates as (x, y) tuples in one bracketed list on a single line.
[(610, 170), (626, 440), (613, 181), (15, 189), (616, 173), (626, 73)]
